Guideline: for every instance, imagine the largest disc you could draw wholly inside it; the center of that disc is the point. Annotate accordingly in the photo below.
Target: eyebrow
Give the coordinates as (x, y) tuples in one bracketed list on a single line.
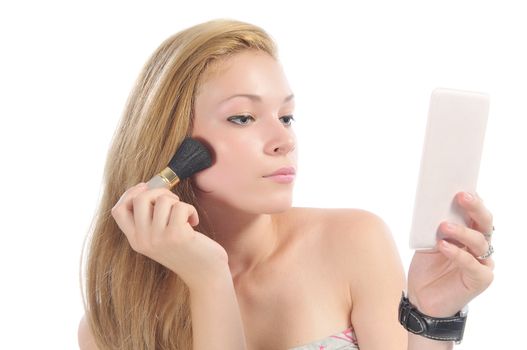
[(256, 98)]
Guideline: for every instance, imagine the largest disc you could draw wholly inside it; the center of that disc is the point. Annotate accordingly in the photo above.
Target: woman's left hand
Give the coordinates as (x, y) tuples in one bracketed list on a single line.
[(440, 283)]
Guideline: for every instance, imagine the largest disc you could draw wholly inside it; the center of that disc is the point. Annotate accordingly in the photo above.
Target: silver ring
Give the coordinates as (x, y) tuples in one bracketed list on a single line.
[(488, 236), (488, 253)]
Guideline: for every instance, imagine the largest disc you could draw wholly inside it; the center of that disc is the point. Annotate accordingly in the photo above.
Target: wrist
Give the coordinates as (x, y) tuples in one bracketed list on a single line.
[(444, 329), (432, 308), (221, 279)]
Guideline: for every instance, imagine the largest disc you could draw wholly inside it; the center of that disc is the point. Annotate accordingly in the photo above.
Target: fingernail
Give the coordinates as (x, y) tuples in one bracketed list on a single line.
[(468, 196), (451, 227), (119, 201)]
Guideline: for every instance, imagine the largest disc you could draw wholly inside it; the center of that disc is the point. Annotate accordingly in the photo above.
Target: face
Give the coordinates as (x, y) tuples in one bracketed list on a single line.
[(243, 110)]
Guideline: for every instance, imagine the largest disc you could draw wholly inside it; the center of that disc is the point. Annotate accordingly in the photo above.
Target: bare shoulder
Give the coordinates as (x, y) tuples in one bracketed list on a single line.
[(85, 336), (360, 241), (364, 254), (336, 226)]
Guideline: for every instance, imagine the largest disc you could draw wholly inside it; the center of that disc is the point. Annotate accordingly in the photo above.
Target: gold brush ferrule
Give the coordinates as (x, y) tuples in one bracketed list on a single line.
[(169, 177)]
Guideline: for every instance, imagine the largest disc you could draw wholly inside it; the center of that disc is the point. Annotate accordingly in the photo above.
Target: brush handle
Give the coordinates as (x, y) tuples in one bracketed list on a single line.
[(166, 178), (157, 182)]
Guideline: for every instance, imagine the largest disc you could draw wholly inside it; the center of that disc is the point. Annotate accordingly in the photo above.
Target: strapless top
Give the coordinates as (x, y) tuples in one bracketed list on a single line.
[(344, 340)]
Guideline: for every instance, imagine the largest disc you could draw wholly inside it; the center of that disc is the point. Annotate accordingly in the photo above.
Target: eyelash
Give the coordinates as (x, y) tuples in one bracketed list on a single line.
[(238, 117)]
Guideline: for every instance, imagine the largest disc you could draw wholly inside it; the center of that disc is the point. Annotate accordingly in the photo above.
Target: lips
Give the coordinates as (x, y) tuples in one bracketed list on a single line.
[(283, 171), (284, 175)]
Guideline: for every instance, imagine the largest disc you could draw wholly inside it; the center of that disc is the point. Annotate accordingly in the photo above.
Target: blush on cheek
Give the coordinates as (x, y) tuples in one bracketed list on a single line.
[(205, 180), (215, 179), (199, 183)]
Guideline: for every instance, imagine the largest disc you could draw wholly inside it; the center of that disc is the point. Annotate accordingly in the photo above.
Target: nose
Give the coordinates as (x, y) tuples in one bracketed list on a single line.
[(281, 140)]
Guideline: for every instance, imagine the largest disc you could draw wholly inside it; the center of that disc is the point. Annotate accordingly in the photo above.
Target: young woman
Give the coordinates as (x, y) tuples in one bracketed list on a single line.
[(223, 261)]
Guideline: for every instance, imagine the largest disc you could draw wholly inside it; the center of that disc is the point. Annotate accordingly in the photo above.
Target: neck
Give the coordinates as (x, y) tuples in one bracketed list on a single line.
[(249, 239)]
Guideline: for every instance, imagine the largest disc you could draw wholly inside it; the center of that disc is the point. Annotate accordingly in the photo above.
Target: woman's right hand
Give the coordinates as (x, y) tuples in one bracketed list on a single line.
[(159, 226)]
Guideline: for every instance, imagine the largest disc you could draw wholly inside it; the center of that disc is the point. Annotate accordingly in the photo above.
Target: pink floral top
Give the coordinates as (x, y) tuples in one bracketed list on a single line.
[(344, 340)]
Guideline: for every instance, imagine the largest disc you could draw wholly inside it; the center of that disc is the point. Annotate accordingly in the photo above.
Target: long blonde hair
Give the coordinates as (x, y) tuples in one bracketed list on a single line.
[(131, 301)]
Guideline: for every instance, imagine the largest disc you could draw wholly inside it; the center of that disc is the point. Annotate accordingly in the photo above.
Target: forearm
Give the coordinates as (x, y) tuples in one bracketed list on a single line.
[(216, 319), (417, 342)]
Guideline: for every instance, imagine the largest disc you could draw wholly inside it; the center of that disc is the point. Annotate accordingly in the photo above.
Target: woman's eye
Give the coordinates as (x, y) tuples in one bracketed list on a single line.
[(287, 119), (240, 119)]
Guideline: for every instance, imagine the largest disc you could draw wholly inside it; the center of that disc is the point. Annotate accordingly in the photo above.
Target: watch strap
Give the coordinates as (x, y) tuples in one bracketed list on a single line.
[(437, 328)]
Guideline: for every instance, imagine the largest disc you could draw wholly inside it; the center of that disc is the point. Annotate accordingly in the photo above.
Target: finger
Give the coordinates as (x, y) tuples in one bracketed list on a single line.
[(194, 218), (143, 208), (183, 213), (480, 216), (163, 206), (122, 211), (130, 193), (152, 194), (473, 240), (488, 262), (473, 270)]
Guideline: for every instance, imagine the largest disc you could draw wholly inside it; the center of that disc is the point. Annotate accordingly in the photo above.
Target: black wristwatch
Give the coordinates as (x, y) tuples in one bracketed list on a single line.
[(437, 328)]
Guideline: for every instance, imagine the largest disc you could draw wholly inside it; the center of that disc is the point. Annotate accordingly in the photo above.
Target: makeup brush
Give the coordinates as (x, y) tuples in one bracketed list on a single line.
[(191, 156)]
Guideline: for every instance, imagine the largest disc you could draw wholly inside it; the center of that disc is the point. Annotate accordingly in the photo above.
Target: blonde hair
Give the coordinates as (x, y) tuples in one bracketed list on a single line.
[(131, 301)]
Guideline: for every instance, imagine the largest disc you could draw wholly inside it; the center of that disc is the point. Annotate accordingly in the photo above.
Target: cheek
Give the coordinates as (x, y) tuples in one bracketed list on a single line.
[(235, 167)]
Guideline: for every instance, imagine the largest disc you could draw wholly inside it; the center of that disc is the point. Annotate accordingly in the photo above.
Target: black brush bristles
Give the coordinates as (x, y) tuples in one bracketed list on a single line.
[(192, 156)]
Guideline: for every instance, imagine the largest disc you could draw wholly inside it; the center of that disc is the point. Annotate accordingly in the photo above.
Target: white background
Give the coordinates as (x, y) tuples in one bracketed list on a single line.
[(362, 73)]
